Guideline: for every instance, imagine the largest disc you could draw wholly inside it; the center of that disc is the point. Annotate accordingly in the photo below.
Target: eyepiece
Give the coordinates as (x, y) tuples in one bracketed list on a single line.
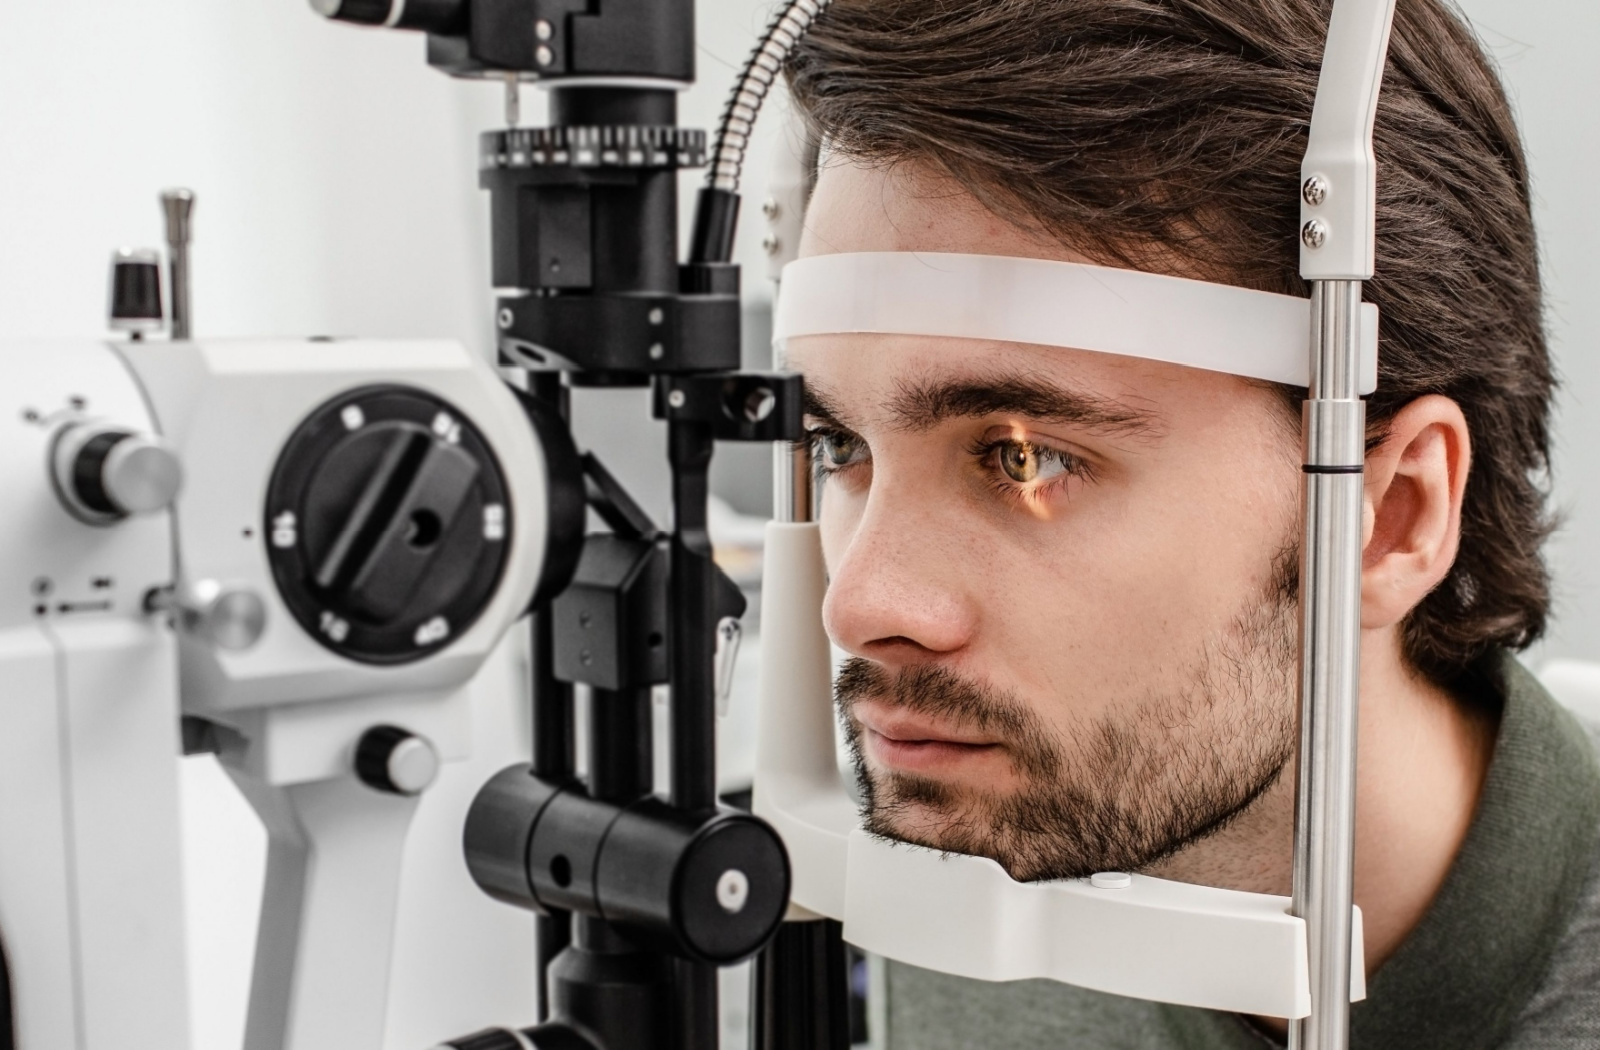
[(443, 17)]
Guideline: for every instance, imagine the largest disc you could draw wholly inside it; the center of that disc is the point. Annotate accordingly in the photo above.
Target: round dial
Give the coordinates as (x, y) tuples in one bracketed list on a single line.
[(387, 524)]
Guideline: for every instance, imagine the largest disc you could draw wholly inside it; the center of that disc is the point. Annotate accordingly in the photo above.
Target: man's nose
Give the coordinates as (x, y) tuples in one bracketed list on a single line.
[(897, 590)]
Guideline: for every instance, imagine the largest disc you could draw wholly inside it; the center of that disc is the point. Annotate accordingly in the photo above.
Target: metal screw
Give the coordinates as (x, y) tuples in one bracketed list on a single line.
[(543, 29), (733, 891), (584, 619), (1315, 191), (657, 315), (676, 399), (1315, 234), (759, 404), (770, 244), (506, 318), (769, 208), (544, 56), (657, 351)]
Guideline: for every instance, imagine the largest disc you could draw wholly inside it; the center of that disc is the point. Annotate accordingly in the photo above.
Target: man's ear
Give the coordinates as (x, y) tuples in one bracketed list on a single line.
[(1411, 520)]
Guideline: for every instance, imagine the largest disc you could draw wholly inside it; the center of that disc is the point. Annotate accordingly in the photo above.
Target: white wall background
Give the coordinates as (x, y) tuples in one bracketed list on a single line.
[(1546, 54), (338, 195)]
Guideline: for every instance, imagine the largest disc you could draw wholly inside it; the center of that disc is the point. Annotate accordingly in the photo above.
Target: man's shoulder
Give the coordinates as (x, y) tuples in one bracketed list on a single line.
[(1564, 1013), (934, 1011)]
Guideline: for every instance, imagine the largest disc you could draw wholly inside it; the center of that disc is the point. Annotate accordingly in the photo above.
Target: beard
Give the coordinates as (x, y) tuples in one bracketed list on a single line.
[(1119, 792)]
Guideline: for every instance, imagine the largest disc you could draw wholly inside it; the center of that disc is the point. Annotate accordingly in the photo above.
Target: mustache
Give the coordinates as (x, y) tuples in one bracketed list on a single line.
[(941, 693)]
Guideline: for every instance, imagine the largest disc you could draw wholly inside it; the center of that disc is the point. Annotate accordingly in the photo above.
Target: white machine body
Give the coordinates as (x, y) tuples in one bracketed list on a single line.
[(113, 625), (294, 710), (91, 887)]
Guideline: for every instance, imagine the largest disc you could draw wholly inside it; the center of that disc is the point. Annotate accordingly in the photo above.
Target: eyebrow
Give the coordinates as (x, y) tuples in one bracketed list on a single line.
[(926, 403)]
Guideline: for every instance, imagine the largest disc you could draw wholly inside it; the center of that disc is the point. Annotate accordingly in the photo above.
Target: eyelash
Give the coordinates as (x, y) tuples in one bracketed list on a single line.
[(984, 451)]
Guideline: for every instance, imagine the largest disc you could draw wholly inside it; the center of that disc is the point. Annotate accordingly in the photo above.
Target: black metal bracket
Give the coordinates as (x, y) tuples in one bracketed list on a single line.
[(741, 406)]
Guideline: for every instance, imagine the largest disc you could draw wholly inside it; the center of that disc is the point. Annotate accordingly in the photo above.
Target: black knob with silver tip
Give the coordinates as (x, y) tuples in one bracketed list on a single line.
[(395, 760), (135, 305), (106, 473)]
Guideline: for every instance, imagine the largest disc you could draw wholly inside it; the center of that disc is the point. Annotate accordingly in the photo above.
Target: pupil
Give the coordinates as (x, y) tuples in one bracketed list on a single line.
[(1019, 461)]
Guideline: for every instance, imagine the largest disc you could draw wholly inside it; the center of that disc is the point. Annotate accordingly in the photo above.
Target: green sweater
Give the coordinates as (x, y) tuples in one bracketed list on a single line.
[(1508, 956)]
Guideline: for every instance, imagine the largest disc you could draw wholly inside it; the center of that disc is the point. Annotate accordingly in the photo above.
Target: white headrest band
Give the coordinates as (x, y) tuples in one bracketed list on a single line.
[(1260, 335)]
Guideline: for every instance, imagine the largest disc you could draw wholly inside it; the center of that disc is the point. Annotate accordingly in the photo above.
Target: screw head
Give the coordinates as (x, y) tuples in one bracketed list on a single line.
[(657, 315), (505, 318), (544, 56), (543, 29), (770, 244), (676, 399), (657, 351), (1314, 234), (1315, 191), (770, 209), (733, 891)]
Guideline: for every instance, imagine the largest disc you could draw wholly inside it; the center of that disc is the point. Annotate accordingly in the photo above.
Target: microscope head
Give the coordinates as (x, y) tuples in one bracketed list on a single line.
[(359, 520)]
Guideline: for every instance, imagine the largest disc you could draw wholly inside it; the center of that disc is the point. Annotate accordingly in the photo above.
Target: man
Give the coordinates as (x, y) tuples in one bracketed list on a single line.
[(1067, 580)]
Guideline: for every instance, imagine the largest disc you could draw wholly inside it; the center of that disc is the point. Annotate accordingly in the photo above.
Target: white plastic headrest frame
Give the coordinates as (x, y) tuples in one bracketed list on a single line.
[(1218, 327)]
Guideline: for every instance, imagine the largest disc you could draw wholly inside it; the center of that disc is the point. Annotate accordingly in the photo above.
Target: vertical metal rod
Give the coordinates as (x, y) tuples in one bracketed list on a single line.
[(791, 481), (692, 659), (553, 738), (1330, 601), (693, 630), (620, 744), (800, 989), (792, 496), (178, 208)]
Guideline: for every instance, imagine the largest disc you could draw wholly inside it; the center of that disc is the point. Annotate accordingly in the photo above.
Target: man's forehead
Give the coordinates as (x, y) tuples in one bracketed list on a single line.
[(907, 206)]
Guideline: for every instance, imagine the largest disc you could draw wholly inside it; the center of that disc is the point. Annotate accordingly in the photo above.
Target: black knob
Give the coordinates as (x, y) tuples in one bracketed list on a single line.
[(387, 523), (135, 291), (391, 759), (104, 473)]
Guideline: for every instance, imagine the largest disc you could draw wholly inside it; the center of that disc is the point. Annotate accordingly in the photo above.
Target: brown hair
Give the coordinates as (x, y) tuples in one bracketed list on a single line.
[(1132, 128)]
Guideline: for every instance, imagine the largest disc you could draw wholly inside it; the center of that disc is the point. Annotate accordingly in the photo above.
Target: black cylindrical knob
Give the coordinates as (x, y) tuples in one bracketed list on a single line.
[(392, 759), (498, 829), (135, 304), (429, 16), (554, 1036), (105, 473)]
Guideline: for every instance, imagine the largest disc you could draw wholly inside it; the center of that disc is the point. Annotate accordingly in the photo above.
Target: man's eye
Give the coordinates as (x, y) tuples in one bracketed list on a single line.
[(837, 449), (1025, 462)]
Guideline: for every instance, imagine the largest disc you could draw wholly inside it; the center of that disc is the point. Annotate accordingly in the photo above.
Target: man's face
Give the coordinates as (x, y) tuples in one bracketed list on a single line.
[(1065, 578)]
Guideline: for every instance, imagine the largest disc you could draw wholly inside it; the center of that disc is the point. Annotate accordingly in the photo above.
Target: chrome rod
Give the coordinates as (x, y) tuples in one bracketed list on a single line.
[(1330, 604), (792, 494), (178, 209)]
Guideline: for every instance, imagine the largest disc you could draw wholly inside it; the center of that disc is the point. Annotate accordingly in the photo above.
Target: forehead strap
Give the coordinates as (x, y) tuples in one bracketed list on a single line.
[(1217, 327)]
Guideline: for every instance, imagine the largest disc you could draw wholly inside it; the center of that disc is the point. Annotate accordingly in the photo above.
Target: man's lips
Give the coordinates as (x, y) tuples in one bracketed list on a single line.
[(914, 743)]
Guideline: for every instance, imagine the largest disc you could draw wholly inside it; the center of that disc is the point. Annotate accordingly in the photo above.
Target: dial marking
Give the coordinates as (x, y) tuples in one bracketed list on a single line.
[(435, 630), (285, 530)]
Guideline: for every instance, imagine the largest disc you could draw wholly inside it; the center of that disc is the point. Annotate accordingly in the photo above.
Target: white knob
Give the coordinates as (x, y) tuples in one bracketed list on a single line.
[(227, 616), (106, 473), (141, 475)]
